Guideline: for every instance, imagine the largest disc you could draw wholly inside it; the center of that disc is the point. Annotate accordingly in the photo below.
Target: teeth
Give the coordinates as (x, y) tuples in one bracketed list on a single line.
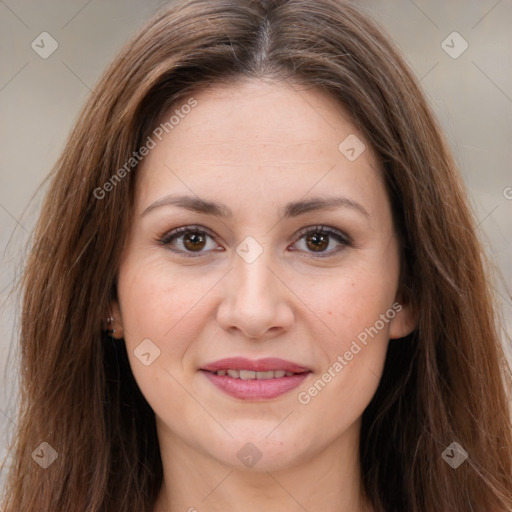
[(252, 375), (265, 375)]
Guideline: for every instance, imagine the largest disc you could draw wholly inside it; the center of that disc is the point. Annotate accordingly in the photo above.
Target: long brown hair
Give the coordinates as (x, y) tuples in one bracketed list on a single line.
[(446, 382)]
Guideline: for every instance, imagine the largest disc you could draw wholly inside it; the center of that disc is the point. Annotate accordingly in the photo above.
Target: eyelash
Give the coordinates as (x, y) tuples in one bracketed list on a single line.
[(340, 237)]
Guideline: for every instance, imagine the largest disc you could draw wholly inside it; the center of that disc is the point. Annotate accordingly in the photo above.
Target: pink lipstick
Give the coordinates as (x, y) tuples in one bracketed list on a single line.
[(261, 379)]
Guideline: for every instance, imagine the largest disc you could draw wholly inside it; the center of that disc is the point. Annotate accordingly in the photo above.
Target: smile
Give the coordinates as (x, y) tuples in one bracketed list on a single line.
[(263, 379), (250, 374)]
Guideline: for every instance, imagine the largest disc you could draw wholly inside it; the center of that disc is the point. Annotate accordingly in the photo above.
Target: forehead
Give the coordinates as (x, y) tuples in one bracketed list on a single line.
[(265, 137), (259, 114)]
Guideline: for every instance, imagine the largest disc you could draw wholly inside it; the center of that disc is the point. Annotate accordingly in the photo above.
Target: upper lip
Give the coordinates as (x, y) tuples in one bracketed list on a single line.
[(259, 365)]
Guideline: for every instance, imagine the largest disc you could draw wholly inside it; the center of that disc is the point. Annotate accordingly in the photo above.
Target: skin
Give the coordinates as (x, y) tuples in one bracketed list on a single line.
[(255, 146)]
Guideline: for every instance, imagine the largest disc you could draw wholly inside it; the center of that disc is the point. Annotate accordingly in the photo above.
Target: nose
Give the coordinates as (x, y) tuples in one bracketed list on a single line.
[(256, 302)]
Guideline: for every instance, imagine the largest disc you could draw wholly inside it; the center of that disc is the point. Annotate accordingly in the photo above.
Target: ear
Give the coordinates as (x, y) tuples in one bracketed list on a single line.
[(117, 324), (404, 321)]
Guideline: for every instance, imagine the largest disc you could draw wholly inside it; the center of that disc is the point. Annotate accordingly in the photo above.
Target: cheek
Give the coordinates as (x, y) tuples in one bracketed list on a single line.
[(353, 355), (156, 299), (351, 303), (357, 308), (166, 308)]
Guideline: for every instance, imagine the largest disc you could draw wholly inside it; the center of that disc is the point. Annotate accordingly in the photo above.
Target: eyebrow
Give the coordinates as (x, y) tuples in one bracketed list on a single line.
[(292, 209)]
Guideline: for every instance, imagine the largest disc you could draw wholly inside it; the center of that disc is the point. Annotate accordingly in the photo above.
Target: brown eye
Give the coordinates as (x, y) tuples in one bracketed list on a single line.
[(317, 242), (322, 240), (194, 241), (189, 241)]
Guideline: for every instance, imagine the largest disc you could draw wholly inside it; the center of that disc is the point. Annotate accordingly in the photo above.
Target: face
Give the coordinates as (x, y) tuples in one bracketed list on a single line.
[(258, 288)]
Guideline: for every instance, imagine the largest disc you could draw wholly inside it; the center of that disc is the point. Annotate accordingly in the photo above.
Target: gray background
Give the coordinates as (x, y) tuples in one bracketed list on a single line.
[(40, 100)]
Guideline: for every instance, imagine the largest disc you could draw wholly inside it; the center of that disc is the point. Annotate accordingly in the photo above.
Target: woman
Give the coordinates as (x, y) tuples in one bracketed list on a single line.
[(256, 284)]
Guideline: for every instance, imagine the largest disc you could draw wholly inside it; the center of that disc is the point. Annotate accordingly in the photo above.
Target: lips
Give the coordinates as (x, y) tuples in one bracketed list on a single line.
[(260, 379), (259, 365)]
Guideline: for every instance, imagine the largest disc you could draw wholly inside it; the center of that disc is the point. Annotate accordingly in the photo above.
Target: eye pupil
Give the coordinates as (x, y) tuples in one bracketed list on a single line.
[(193, 241), (319, 241)]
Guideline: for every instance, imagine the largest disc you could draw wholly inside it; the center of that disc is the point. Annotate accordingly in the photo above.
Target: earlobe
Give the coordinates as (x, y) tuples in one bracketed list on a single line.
[(114, 321), (404, 321)]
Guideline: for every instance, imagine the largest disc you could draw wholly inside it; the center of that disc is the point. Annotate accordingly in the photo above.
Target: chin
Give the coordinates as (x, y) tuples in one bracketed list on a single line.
[(257, 453)]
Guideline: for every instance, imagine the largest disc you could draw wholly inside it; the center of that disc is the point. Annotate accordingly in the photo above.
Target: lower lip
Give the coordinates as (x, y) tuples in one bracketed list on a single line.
[(254, 389)]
